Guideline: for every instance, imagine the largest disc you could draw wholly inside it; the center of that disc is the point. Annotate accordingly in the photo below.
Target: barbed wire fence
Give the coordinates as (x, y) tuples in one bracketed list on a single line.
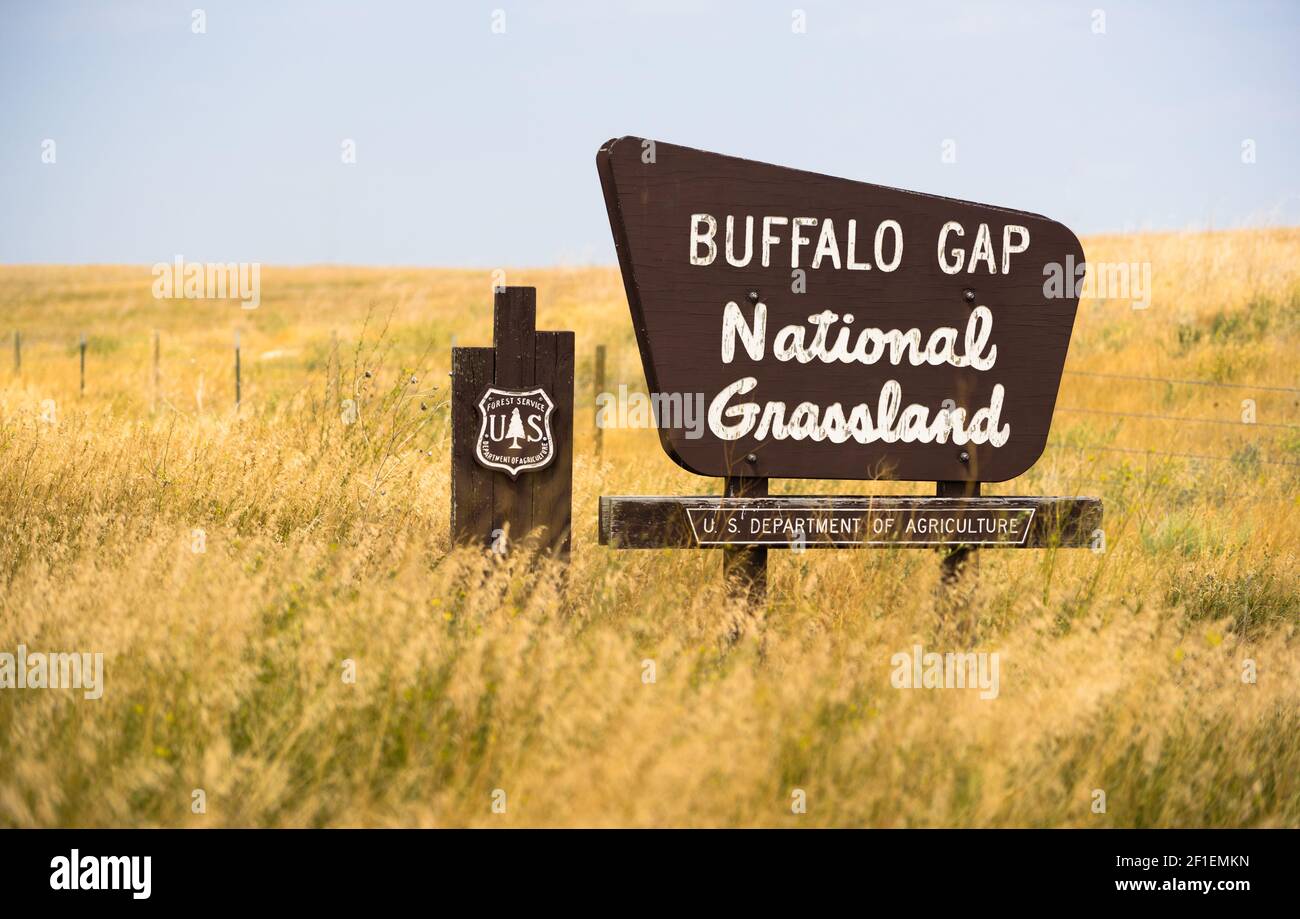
[(79, 343), (82, 346), (1150, 379), (1252, 426)]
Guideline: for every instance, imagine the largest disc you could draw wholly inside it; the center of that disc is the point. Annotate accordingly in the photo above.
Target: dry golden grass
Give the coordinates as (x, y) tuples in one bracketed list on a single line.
[(1121, 671)]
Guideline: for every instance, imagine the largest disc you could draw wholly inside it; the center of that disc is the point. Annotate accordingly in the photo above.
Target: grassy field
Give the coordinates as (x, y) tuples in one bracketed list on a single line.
[(325, 543)]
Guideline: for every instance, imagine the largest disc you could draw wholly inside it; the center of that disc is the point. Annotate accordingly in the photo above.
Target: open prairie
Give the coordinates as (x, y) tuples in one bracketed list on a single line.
[(289, 639)]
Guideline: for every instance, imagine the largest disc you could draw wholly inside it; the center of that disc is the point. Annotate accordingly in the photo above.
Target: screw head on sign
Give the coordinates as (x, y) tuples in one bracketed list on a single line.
[(968, 295), (751, 458), (964, 456), (753, 296)]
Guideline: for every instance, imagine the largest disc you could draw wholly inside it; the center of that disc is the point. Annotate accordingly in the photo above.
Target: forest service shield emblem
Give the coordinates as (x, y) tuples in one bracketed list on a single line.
[(515, 433)]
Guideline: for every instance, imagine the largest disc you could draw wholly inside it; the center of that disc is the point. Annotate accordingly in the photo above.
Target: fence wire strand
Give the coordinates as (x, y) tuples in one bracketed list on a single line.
[(1193, 456), (1183, 418), (1146, 379)]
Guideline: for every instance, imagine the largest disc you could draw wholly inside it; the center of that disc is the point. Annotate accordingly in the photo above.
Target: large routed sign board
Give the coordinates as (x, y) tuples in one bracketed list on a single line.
[(838, 329)]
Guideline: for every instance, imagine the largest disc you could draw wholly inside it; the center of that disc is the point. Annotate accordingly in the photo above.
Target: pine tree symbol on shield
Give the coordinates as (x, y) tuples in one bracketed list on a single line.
[(516, 429)]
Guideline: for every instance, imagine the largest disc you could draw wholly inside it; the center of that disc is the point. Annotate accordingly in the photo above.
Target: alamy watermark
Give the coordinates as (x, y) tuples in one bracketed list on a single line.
[(53, 670), (1099, 280), (180, 279), (955, 670), (75, 871), (657, 410)]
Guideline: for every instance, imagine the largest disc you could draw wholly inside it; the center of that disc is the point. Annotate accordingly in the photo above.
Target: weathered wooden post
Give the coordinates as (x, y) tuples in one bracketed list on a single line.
[(956, 560), (598, 387), (83, 364), (512, 433), (744, 567), (157, 371), (886, 335), (332, 372), (239, 388)]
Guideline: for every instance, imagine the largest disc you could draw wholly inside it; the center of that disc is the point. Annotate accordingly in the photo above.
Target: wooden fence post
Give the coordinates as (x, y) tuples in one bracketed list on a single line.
[(598, 387), (239, 386), (498, 497), (332, 373), (157, 372), (83, 364)]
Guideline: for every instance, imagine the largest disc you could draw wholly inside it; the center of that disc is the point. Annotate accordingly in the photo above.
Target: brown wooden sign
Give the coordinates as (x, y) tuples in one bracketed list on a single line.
[(824, 522), (838, 329), (512, 432)]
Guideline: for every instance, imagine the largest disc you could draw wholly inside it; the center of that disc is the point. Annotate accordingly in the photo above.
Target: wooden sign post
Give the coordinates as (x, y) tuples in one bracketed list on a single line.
[(835, 329), (512, 433)]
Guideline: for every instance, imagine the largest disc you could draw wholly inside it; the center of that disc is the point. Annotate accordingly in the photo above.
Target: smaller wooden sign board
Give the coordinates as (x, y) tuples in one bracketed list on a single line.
[(839, 522), (512, 432)]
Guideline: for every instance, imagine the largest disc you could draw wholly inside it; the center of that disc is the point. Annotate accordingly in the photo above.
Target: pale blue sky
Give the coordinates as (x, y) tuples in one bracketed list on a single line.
[(478, 149)]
